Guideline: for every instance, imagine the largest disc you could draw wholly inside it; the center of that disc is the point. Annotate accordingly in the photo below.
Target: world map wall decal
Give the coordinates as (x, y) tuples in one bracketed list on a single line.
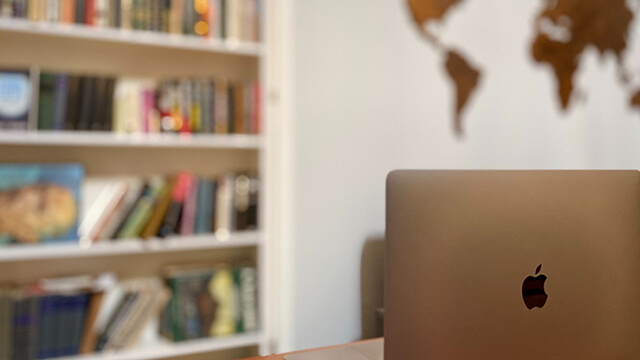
[(563, 30)]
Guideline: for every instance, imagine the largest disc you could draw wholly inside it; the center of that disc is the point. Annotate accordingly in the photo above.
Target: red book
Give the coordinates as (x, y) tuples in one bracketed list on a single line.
[(89, 12)]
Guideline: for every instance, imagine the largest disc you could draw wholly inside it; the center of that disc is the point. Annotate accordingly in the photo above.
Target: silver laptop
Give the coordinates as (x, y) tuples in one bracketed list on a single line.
[(513, 265)]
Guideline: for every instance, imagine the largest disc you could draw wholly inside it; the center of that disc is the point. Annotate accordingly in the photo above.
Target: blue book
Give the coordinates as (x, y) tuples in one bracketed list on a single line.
[(48, 341), (15, 99), (25, 328), (60, 99), (78, 313), (204, 207), (39, 203)]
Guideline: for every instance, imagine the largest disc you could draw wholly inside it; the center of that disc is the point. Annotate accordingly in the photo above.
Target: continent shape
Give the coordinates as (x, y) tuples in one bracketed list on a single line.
[(602, 24), (464, 76)]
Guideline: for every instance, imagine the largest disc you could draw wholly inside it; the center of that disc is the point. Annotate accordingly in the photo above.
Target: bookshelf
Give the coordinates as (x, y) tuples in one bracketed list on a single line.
[(132, 37), (108, 51), (129, 247), (170, 350), (111, 139)]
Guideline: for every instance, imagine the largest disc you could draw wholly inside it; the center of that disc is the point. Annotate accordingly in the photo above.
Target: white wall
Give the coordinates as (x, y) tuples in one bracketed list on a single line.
[(368, 96)]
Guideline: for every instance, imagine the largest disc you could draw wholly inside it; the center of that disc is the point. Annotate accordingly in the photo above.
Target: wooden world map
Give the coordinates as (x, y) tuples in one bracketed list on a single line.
[(564, 29)]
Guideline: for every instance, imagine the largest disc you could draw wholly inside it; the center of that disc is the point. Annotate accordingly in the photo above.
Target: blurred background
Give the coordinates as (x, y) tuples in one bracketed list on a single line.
[(222, 164)]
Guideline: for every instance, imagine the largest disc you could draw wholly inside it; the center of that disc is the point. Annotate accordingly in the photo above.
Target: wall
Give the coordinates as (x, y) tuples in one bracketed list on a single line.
[(367, 95)]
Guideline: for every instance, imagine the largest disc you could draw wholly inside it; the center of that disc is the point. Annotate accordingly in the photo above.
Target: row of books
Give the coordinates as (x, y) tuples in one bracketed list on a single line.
[(182, 205), (224, 19), (128, 105), (85, 314), (210, 301)]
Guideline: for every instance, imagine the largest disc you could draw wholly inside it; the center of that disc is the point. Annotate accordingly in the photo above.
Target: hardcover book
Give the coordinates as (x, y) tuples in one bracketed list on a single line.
[(39, 203), (15, 99)]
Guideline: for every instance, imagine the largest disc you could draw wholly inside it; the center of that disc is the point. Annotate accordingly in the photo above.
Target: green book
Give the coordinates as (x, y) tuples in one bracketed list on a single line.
[(45, 102), (142, 211)]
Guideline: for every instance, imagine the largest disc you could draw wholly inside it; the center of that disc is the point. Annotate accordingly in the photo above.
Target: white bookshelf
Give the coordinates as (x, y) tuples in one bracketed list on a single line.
[(169, 350), (90, 50), (128, 247), (112, 139), (134, 37)]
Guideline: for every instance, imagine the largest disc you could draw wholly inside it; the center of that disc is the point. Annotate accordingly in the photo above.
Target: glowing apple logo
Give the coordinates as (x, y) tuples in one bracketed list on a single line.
[(533, 290)]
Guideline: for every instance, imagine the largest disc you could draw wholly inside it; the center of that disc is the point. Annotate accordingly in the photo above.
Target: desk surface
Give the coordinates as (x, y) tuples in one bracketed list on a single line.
[(281, 356)]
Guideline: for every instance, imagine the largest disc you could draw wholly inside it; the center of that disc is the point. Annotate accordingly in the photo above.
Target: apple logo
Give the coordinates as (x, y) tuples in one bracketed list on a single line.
[(533, 290)]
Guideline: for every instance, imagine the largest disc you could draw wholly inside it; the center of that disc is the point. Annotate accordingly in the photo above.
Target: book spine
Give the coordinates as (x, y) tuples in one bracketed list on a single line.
[(204, 212), (47, 338), (89, 12), (6, 319), (78, 313), (174, 212), (46, 101), (248, 292), (189, 211), (238, 108), (52, 10), (230, 107), (142, 212), (224, 205), (221, 107), (80, 12), (61, 95), (89, 334)]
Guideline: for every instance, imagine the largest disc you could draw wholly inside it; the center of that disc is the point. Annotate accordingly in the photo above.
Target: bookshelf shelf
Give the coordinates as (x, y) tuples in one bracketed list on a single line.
[(167, 349), (110, 139), (133, 37), (128, 247)]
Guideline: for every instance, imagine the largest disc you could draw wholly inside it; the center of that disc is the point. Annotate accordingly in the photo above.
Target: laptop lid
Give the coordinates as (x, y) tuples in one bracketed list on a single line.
[(513, 265)]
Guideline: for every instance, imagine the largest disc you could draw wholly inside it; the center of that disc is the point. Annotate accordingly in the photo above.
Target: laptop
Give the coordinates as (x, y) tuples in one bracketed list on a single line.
[(512, 265)]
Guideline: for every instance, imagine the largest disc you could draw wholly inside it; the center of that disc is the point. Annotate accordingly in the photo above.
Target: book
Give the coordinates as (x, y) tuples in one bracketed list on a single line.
[(102, 209), (48, 327), (221, 110), (204, 206), (187, 225), (39, 202), (46, 101), (89, 335), (193, 309), (164, 200), (87, 88), (6, 326), (98, 103), (241, 202), (174, 212), (121, 209), (223, 216), (60, 101), (73, 103), (142, 211), (247, 283), (239, 120), (15, 99), (116, 319)]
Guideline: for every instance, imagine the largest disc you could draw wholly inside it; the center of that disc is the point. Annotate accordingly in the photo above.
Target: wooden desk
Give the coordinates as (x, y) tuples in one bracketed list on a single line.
[(281, 356)]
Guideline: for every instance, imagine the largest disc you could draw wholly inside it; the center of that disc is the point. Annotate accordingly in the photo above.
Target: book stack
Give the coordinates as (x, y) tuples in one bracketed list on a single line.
[(127, 105), (76, 315), (129, 208), (225, 19), (210, 301)]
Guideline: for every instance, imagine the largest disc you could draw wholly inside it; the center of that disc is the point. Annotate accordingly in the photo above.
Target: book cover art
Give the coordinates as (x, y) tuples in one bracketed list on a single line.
[(15, 99), (39, 202)]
